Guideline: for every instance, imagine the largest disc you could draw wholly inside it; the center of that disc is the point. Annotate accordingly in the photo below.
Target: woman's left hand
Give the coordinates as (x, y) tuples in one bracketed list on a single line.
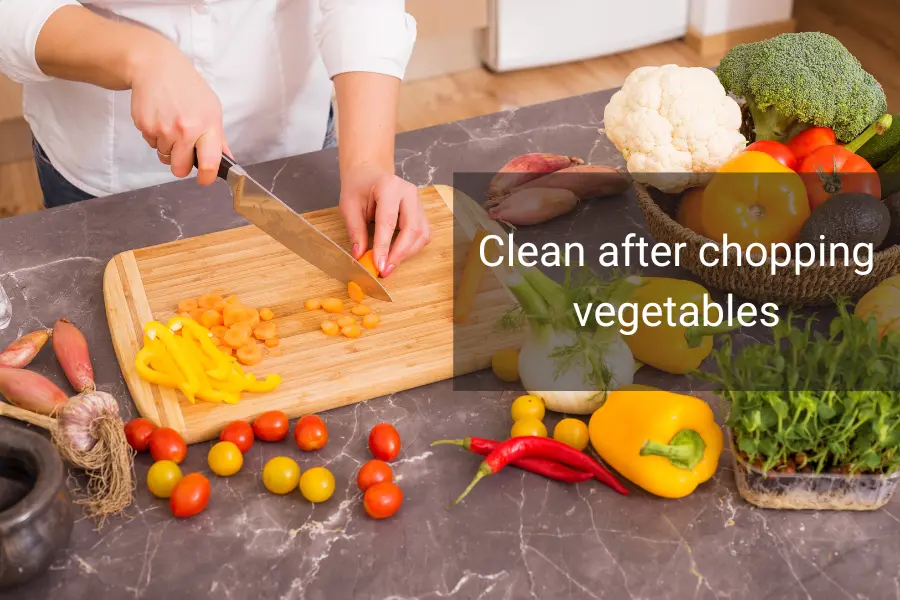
[(369, 193)]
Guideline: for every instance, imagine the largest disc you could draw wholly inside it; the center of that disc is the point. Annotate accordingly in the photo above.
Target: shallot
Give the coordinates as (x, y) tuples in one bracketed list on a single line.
[(526, 167), (533, 205), (585, 181), (31, 391), (71, 350), (21, 352)]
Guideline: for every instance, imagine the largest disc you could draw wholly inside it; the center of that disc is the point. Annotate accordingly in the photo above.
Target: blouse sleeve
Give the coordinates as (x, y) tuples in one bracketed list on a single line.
[(22, 23)]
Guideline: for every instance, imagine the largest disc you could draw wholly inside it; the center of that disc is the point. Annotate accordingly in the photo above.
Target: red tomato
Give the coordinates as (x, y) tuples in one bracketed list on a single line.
[(167, 444), (240, 434), (833, 170), (384, 442), (382, 500), (776, 150), (310, 433), (271, 426), (809, 140), (373, 473), (190, 496), (138, 432)]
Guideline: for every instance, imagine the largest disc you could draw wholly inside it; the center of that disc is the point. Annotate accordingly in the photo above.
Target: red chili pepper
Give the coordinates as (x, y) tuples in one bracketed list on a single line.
[(540, 466), (537, 447)]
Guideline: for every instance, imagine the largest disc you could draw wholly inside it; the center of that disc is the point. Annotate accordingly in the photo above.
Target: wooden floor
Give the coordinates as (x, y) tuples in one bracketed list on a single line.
[(866, 28)]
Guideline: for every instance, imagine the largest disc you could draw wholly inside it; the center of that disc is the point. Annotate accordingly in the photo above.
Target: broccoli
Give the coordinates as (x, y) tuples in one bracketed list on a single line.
[(796, 80)]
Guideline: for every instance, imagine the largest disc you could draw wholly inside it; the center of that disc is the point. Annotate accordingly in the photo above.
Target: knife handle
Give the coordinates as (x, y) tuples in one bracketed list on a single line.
[(224, 166)]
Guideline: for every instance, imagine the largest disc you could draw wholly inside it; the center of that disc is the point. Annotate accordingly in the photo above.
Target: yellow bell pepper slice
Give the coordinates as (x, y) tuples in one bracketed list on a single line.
[(151, 375), (216, 366), (182, 359), (267, 385)]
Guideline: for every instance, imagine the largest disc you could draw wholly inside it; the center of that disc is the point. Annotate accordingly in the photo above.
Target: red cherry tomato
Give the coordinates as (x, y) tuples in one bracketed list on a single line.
[(382, 500), (809, 140), (310, 433), (271, 426), (138, 432), (190, 496), (373, 473), (384, 442), (167, 444), (834, 170), (776, 150), (240, 434)]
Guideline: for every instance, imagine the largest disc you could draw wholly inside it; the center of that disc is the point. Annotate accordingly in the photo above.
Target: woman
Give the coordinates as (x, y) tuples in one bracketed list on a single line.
[(120, 94)]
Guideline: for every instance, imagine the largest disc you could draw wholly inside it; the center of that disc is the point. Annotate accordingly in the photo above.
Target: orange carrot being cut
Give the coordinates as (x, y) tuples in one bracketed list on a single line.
[(197, 314), (210, 318), (330, 328), (355, 292), (234, 300), (266, 314), (236, 336), (332, 305), (360, 310), (249, 355), (187, 305), (313, 304), (208, 300), (232, 314), (220, 306), (367, 260), (265, 331), (351, 331), (371, 320), (219, 331), (346, 321), (272, 342)]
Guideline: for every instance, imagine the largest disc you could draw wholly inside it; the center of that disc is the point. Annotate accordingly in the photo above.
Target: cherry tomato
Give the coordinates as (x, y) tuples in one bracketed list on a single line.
[(271, 426), (317, 484), (833, 170), (225, 459), (138, 432), (527, 406), (572, 432), (310, 433), (167, 444), (162, 478), (382, 500), (281, 475), (384, 442), (190, 496), (374, 472), (809, 140), (528, 426), (238, 433), (778, 151)]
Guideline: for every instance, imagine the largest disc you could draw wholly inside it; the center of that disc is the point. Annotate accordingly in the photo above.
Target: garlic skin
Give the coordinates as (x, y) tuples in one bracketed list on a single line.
[(79, 413)]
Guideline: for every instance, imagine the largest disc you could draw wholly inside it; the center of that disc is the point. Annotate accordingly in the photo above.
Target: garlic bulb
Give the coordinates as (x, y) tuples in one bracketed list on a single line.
[(77, 416)]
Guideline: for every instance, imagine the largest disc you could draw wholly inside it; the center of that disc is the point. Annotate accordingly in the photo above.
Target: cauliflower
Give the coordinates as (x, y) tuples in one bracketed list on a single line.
[(674, 125)]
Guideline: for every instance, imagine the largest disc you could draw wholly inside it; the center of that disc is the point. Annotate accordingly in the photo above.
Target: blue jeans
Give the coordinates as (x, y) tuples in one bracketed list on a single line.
[(59, 192)]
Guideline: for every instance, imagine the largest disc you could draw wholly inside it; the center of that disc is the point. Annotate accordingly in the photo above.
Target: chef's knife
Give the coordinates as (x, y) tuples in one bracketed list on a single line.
[(259, 206)]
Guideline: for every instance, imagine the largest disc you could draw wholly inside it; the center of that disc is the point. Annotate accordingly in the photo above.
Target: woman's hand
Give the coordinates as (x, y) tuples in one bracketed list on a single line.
[(176, 112), (369, 193)]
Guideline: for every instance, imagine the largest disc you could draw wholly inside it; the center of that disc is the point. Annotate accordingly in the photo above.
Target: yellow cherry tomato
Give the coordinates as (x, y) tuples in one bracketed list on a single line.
[(162, 478), (528, 426), (281, 475), (225, 459), (527, 406), (505, 364), (317, 484), (572, 432)]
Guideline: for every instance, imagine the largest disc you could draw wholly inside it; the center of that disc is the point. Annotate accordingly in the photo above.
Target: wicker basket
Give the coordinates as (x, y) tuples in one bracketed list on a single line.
[(815, 286)]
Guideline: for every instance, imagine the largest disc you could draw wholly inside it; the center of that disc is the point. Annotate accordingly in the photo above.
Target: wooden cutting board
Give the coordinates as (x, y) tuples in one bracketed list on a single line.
[(413, 345)]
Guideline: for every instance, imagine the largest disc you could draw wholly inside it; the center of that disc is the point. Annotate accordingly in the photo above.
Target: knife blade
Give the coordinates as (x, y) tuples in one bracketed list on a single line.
[(283, 224)]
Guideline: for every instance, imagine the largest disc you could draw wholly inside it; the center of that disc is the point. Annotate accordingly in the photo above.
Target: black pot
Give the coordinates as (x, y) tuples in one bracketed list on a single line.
[(35, 509)]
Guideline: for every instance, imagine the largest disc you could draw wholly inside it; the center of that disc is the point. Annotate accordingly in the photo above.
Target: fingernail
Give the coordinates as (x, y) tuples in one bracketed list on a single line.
[(380, 265), (389, 270), (355, 250)]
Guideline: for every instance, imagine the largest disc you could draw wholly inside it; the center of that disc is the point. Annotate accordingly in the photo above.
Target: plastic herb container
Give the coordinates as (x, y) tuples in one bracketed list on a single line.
[(811, 491)]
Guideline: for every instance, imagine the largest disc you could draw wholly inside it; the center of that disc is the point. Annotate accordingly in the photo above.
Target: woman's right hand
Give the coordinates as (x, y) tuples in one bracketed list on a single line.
[(177, 112)]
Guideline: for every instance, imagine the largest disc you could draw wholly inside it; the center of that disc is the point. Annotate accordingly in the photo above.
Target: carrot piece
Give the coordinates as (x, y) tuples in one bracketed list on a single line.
[(266, 331), (228, 351), (219, 331), (232, 314), (249, 355), (208, 300), (236, 336), (330, 327), (233, 300), (272, 342), (353, 331), (313, 304), (187, 305), (360, 310), (367, 260), (346, 321), (216, 341), (220, 306), (197, 314), (332, 305), (210, 318), (355, 292), (472, 275), (252, 317), (266, 314), (371, 320)]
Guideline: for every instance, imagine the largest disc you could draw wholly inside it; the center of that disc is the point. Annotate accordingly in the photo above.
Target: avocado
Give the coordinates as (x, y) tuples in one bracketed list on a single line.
[(893, 206), (850, 218)]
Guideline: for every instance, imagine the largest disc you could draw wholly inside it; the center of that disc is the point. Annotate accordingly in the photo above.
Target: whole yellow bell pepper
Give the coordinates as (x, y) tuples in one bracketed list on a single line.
[(677, 350), (666, 443)]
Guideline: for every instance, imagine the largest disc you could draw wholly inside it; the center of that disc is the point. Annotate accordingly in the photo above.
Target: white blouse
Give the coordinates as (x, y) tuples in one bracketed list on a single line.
[(270, 62)]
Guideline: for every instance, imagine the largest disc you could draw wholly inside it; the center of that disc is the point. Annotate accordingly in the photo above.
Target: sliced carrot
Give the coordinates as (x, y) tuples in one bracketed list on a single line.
[(253, 317), (187, 305), (249, 355), (313, 304), (353, 331), (355, 292), (371, 320), (266, 331), (226, 350), (216, 341), (219, 331), (236, 336), (367, 260), (220, 306), (208, 300), (233, 300), (197, 314), (210, 318), (266, 314), (360, 310), (234, 313), (330, 327), (332, 305), (272, 342), (346, 321)]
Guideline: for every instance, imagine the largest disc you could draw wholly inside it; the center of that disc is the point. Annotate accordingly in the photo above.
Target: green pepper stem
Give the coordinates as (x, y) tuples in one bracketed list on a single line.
[(694, 335), (684, 450), (483, 471), (465, 443), (876, 128)]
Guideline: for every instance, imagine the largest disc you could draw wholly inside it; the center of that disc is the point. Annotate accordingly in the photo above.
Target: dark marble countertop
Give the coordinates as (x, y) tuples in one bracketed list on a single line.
[(517, 536)]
